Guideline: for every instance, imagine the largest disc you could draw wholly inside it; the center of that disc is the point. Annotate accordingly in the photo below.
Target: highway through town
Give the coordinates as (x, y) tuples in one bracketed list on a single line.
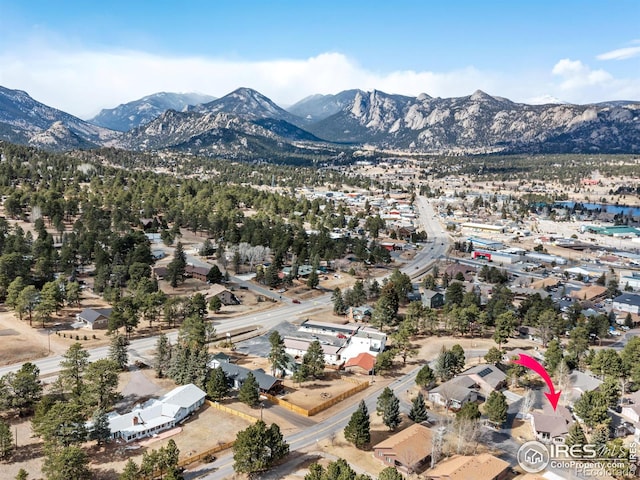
[(142, 349)]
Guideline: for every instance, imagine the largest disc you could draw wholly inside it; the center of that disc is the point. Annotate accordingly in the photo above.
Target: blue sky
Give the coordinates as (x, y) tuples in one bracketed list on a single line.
[(82, 56)]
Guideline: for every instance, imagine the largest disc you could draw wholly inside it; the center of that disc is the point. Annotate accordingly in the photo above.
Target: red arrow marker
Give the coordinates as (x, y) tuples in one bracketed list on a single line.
[(533, 364)]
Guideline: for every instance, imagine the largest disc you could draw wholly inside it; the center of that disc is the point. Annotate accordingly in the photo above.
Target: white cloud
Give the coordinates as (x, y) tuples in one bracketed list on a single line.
[(82, 82), (620, 54), (576, 74)]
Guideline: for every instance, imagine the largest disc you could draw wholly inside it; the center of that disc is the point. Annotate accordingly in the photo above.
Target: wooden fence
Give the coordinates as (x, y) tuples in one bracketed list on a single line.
[(318, 408), (186, 461), (285, 404), (332, 401), (237, 413)]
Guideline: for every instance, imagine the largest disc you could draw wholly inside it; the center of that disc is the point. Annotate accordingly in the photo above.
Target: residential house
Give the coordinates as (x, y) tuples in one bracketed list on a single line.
[(95, 318), (551, 426), (157, 415), (627, 302), (432, 299), (237, 375), (407, 449), (455, 392), (580, 383), (467, 271), (477, 467), (160, 272), (226, 296), (487, 377), (199, 273), (359, 314), (530, 333), (218, 358), (514, 354), (363, 362), (414, 295), (158, 254)]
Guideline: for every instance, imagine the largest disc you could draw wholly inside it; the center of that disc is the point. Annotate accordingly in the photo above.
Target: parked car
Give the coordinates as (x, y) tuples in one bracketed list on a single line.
[(295, 300)]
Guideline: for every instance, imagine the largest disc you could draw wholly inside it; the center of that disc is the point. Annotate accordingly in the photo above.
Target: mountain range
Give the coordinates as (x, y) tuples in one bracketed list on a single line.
[(133, 114), (246, 124)]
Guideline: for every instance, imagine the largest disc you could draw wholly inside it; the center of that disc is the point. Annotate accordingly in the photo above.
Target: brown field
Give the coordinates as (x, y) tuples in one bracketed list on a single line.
[(314, 392)]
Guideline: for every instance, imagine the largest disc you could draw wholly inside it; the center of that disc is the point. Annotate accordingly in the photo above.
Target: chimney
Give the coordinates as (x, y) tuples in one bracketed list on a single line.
[(135, 420)]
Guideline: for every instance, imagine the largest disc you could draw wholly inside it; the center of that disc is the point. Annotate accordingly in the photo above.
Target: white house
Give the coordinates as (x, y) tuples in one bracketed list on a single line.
[(156, 415)]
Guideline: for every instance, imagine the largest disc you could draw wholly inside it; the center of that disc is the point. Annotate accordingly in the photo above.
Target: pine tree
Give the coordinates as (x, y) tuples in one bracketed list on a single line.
[(600, 437), (575, 437), (496, 408), (358, 430), (257, 448), (100, 431), (313, 281), (130, 472), (418, 411), (6, 441), (425, 377), (390, 473), (553, 356), (339, 308), (68, 463), (314, 359), (73, 364), (493, 356), (218, 384), (383, 400), (249, 392), (118, 351), (101, 384), (277, 354), (391, 414), (176, 268), (162, 359), (215, 304), (469, 411), (26, 388)]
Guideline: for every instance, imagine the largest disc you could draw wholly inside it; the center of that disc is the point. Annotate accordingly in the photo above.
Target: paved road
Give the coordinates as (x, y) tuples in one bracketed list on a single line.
[(311, 436)]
